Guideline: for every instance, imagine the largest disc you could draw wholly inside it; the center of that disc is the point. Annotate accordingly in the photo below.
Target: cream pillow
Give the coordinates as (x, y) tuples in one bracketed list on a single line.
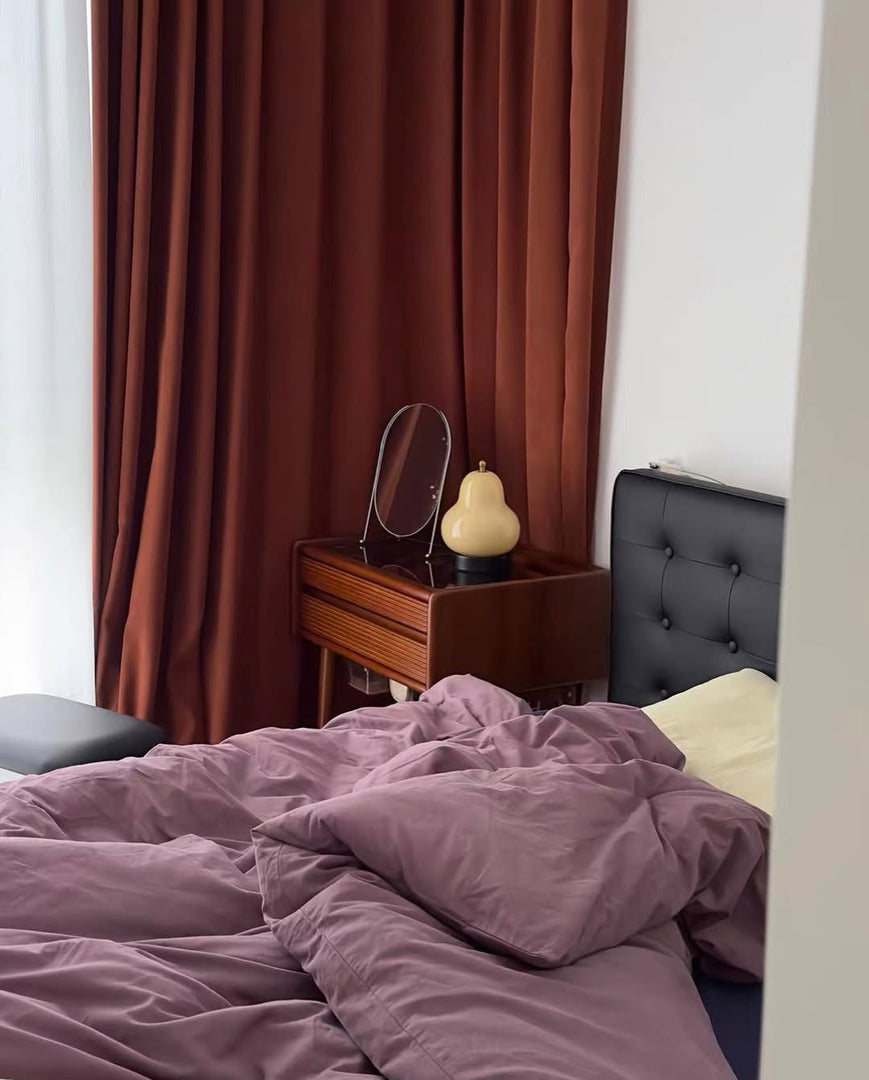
[(726, 728)]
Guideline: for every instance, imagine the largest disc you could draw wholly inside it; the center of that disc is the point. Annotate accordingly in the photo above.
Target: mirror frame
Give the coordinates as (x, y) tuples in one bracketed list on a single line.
[(433, 516)]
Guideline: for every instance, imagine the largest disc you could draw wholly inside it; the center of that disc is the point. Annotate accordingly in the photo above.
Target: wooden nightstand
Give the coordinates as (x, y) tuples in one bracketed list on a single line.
[(388, 608)]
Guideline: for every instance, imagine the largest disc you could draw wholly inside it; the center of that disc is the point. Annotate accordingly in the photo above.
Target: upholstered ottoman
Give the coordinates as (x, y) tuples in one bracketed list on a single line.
[(39, 733)]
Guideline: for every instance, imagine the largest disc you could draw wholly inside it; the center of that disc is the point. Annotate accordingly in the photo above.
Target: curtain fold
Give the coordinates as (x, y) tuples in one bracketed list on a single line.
[(541, 110), (308, 215)]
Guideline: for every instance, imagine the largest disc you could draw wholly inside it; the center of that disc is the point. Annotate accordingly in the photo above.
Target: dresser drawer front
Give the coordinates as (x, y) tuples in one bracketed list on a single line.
[(365, 594), (350, 633)]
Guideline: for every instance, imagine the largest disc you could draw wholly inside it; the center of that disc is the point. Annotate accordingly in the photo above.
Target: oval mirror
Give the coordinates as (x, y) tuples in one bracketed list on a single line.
[(411, 467)]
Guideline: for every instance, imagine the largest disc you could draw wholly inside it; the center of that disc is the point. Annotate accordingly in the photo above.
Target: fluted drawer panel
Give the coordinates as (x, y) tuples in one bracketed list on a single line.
[(367, 594), (345, 629)]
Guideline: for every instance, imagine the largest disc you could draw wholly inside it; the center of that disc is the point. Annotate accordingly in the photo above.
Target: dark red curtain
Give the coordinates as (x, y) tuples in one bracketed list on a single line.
[(306, 215)]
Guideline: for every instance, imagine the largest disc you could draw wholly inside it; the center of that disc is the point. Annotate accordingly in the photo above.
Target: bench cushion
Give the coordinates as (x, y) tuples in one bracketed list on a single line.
[(39, 733)]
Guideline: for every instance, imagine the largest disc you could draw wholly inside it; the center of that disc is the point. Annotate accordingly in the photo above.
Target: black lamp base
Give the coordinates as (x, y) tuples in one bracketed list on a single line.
[(480, 569)]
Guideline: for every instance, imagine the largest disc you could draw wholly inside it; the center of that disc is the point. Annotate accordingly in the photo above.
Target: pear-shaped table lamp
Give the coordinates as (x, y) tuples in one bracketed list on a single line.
[(481, 529)]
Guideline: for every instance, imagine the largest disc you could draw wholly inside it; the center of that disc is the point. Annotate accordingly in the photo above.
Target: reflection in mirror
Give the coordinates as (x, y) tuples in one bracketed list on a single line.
[(410, 470), (411, 467)]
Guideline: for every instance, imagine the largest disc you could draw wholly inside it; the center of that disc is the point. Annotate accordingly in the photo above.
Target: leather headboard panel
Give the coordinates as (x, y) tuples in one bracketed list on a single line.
[(696, 576)]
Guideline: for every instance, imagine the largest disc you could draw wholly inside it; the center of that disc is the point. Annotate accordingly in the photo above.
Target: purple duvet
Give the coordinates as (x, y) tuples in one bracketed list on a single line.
[(448, 890)]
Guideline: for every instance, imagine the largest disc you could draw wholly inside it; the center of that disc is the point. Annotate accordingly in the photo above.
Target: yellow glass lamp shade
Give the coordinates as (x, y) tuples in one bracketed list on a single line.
[(481, 524)]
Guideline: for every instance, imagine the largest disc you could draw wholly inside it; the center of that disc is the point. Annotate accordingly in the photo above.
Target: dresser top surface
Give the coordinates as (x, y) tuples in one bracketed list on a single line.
[(406, 561)]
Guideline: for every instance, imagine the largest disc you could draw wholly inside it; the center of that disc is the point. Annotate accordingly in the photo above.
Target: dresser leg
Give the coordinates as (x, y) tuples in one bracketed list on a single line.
[(327, 680)]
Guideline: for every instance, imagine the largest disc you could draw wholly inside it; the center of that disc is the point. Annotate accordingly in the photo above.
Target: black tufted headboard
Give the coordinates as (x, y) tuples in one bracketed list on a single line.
[(696, 573)]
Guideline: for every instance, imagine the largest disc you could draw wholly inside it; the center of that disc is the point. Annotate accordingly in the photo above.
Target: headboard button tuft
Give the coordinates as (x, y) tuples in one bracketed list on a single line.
[(734, 569), (668, 551), (732, 646), (665, 622), (665, 694)]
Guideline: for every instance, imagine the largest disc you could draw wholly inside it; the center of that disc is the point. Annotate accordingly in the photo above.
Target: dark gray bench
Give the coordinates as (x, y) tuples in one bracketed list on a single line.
[(39, 733)]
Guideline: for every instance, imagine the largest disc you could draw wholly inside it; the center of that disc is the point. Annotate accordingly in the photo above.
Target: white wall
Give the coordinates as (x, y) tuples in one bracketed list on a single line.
[(711, 223), (817, 1006)]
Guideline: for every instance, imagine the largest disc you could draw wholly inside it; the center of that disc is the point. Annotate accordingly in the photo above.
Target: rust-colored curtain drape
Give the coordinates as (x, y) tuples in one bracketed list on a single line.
[(306, 215)]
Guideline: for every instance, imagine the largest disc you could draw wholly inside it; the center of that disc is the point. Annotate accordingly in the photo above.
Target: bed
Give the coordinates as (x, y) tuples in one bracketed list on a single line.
[(697, 573), (451, 888)]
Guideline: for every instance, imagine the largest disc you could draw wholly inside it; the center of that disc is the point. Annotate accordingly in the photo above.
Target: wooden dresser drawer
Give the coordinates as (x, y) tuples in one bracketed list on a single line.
[(368, 595), (402, 611), (400, 654)]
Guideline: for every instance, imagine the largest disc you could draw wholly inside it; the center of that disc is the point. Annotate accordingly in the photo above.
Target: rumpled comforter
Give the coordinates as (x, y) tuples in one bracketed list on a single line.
[(452, 889)]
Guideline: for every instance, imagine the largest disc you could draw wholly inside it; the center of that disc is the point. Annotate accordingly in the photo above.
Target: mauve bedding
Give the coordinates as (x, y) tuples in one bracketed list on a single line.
[(451, 888)]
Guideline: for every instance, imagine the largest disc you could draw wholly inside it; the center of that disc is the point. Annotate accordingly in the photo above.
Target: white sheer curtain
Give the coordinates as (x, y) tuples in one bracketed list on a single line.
[(46, 616)]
